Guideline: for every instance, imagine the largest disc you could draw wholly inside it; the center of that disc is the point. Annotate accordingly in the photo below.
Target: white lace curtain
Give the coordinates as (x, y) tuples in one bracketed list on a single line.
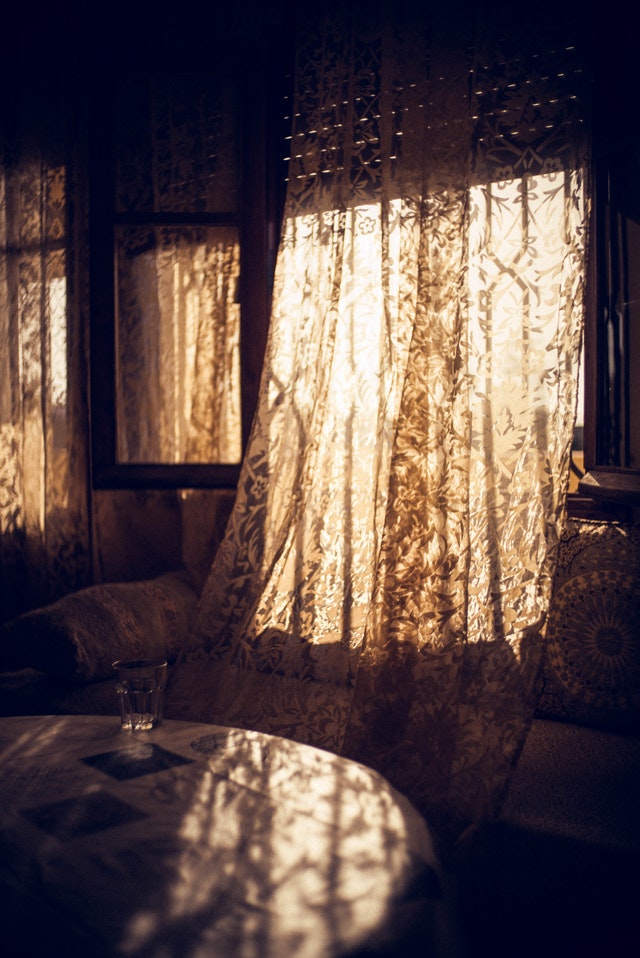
[(382, 587)]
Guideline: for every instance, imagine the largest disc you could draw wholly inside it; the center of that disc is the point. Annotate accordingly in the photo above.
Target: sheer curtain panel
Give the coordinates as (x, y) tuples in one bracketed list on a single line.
[(383, 584), (44, 515)]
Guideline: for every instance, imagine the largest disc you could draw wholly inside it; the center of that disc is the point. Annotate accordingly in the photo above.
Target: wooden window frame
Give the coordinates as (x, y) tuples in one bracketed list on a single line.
[(606, 490), (261, 80)]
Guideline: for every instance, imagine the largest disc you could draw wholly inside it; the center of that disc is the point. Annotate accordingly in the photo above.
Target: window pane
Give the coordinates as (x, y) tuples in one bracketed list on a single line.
[(178, 345), (577, 470), (175, 144), (620, 310)]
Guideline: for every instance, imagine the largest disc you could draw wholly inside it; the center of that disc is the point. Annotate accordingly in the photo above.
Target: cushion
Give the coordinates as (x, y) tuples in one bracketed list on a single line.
[(78, 637), (591, 671)]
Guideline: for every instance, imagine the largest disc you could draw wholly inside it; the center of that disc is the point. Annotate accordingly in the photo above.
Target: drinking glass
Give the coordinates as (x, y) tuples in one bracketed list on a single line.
[(140, 688)]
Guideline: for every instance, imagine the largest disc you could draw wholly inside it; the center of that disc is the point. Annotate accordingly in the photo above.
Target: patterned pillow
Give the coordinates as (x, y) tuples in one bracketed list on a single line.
[(591, 672), (78, 637)]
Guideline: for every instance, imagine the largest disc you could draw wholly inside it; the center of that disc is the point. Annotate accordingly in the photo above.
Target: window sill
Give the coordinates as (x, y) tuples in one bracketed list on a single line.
[(620, 486), (148, 476)]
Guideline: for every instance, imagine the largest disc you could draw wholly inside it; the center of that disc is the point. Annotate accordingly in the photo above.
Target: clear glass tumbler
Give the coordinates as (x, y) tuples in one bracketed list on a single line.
[(140, 687)]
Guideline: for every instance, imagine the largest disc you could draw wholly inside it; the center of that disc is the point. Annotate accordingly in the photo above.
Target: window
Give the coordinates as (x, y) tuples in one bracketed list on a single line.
[(612, 334), (184, 223), (203, 243)]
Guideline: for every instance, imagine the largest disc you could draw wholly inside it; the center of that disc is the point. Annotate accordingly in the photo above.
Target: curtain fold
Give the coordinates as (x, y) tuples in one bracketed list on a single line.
[(383, 584)]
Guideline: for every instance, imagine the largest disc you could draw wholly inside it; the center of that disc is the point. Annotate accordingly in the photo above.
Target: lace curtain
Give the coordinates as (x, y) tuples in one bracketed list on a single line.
[(382, 587), (44, 523)]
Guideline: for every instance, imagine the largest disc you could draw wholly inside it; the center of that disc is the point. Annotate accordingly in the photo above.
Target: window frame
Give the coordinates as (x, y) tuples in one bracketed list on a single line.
[(603, 487), (605, 490), (261, 82)]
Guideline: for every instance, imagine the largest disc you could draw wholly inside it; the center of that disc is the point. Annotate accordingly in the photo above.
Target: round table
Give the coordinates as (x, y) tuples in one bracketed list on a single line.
[(195, 840)]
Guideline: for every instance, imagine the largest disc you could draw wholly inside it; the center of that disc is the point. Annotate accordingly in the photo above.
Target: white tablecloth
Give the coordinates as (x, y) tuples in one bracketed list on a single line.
[(197, 840)]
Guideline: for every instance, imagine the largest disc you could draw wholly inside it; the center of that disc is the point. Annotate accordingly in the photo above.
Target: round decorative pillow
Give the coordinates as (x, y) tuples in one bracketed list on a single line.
[(594, 639)]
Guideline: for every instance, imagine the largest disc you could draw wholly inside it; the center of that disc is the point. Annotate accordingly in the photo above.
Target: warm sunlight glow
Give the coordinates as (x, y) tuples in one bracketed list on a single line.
[(518, 231), (349, 288), (520, 282), (304, 839), (199, 840), (58, 333), (334, 386)]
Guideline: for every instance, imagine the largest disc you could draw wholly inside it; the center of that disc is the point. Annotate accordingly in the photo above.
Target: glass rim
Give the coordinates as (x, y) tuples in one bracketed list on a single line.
[(157, 663)]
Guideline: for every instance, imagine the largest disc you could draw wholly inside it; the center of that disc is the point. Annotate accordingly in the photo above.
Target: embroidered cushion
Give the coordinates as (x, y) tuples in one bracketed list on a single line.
[(78, 637), (591, 672)]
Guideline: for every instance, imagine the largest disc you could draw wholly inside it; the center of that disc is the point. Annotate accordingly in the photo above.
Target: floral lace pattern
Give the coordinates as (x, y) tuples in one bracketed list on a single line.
[(591, 671)]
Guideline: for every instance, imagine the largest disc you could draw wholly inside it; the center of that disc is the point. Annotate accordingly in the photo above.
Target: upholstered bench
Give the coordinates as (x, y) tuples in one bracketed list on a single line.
[(557, 874)]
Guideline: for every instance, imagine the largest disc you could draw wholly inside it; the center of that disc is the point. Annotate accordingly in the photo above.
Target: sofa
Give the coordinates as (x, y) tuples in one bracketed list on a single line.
[(556, 872)]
